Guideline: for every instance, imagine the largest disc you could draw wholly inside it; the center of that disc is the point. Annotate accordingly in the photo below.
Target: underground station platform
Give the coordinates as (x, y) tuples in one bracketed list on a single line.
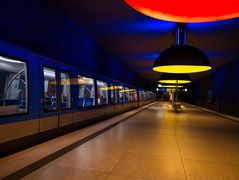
[(152, 142), (119, 89)]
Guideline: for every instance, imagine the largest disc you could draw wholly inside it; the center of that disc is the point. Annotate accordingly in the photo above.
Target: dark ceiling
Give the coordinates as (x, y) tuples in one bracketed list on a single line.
[(137, 39)]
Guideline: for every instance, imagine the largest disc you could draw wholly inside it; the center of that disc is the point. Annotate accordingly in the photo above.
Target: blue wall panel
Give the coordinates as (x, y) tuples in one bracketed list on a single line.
[(35, 25), (224, 85)]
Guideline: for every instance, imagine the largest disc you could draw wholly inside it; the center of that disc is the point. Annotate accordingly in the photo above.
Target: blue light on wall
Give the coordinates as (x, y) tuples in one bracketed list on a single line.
[(38, 26), (141, 25), (212, 26), (150, 56), (223, 84)]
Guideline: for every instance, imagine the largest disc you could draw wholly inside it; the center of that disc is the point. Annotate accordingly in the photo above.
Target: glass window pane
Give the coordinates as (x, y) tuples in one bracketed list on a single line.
[(112, 94), (133, 95), (65, 90), (119, 94), (142, 95), (13, 86), (86, 91), (102, 93), (116, 94), (126, 92), (50, 98)]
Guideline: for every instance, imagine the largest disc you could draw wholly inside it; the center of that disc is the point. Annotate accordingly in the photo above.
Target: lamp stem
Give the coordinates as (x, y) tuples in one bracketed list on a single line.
[(181, 34)]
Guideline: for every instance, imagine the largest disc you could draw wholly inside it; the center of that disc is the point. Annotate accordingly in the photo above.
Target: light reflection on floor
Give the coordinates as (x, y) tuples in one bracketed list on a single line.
[(155, 144)]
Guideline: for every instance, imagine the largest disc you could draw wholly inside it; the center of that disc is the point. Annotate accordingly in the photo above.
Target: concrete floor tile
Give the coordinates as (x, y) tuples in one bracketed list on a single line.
[(58, 172), (116, 177), (205, 150), (152, 167), (232, 170), (152, 145), (156, 148), (91, 158), (108, 143), (209, 170)]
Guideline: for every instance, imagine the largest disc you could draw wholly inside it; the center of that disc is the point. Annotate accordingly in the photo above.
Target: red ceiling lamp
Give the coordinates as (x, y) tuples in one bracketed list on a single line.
[(187, 10)]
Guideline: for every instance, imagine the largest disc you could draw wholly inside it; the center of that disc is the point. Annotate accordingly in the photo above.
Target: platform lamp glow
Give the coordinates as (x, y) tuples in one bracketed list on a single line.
[(171, 86), (182, 58), (174, 78)]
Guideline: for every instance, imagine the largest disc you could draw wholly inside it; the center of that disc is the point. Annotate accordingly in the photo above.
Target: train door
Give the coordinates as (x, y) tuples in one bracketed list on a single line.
[(49, 94), (65, 100)]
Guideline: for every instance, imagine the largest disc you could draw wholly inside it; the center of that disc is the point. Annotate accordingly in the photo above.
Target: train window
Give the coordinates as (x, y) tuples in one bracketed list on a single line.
[(86, 91), (133, 95), (112, 94), (119, 94), (136, 97), (126, 92), (116, 94), (13, 86), (102, 93), (50, 83), (142, 95), (65, 90)]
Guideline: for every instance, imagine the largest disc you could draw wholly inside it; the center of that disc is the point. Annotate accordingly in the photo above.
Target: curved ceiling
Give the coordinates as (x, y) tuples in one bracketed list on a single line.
[(137, 39)]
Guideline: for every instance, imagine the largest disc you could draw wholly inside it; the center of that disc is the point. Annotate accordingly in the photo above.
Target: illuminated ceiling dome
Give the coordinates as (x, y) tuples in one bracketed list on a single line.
[(174, 78), (182, 59), (187, 10)]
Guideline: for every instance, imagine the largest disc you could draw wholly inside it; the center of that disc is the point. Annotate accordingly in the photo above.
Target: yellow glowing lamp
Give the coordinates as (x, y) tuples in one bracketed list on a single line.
[(174, 78), (174, 81), (171, 86), (182, 59), (181, 68)]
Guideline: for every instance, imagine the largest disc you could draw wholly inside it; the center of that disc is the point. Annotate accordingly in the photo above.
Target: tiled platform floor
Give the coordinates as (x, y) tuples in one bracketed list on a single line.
[(155, 144)]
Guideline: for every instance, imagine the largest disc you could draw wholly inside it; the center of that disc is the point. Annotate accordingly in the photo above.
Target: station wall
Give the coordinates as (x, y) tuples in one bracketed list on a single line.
[(220, 90), (36, 25)]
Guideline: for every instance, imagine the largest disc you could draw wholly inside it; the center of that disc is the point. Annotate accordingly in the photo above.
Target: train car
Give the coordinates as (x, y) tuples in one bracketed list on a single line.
[(41, 99)]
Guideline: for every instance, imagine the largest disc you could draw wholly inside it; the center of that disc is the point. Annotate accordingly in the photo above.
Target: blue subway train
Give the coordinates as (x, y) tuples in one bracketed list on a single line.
[(41, 99)]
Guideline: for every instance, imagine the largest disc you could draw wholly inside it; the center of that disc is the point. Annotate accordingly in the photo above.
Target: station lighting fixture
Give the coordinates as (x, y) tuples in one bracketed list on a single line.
[(185, 90), (182, 58), (174, 78), (171, 86), (187, 10)]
